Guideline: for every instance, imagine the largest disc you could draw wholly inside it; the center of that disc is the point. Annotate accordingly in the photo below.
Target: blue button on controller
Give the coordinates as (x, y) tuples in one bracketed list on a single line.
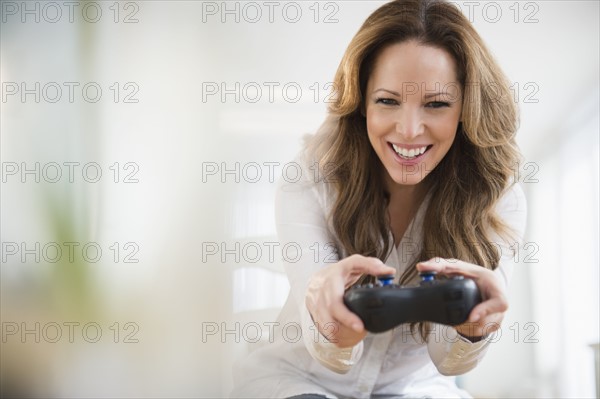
[(386, 280), (427, 276)]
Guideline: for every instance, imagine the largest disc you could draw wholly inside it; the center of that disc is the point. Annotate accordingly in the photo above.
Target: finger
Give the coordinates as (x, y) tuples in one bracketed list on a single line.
[(325, 323), (489, 325), (497, 304), (451, 267), (334, 310), (479, 329), (494, 301), (357, 264), (339, 312), (347, 318)]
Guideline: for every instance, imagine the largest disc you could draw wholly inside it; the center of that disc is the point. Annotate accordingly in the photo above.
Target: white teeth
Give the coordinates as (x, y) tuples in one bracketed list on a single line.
[(412, 153)]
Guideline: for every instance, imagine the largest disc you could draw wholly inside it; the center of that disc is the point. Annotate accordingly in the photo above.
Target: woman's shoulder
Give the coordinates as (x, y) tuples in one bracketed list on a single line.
[(305, 175), (512, 209), (302, 179), (512, 199)]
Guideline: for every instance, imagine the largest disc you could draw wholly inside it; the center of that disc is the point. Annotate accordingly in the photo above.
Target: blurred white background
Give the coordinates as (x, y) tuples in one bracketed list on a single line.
[(147, 280)]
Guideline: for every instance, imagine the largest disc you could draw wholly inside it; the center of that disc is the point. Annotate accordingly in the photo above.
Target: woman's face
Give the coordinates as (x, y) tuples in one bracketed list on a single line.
[(413, 106)]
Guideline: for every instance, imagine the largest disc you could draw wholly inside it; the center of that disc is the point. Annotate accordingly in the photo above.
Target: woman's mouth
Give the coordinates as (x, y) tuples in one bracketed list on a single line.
[(410, 154)]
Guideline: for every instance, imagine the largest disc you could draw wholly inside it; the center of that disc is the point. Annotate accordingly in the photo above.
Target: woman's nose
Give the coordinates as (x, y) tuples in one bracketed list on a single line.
[(409, 124)]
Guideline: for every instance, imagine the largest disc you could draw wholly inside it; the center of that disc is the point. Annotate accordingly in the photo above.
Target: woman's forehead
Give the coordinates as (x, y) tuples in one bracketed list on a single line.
[(410, 63)]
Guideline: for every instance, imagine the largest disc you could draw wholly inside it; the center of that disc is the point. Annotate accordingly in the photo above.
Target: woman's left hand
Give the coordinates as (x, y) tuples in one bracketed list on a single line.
[(487, 316)]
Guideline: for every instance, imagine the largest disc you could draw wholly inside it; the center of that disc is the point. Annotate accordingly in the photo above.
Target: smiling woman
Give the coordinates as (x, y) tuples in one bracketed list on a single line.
[(415, 174), (411, 122)]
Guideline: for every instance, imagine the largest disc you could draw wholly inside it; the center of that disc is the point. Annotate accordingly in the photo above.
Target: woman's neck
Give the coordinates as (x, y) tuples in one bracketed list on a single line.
[(406, 196), (405, 201)]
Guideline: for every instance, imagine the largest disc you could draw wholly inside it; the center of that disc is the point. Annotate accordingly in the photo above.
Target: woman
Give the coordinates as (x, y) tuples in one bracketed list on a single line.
[(410, 172)]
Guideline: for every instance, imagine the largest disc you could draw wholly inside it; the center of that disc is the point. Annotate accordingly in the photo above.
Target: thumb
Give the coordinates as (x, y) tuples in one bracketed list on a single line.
[(378, 268), (368, 265)]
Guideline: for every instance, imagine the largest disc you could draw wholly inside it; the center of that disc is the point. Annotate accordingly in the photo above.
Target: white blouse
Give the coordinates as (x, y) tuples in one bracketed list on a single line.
[(395, 363)]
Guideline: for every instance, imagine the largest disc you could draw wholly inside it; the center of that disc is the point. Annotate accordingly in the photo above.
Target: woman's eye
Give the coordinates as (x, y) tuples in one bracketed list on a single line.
[(437, 104), (386, 101)]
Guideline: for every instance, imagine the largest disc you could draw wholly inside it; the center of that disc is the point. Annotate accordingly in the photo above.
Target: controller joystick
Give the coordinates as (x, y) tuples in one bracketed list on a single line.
[(386, 280), (427, 277), (386, 305)]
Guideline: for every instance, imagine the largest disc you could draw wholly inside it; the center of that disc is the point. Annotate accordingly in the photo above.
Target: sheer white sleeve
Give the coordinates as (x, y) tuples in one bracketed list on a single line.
[(307, 246), (450, 352)]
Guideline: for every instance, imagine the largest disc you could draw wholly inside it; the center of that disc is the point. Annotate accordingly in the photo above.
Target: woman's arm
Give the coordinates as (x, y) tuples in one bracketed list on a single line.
[(318, 278), (450, 350)]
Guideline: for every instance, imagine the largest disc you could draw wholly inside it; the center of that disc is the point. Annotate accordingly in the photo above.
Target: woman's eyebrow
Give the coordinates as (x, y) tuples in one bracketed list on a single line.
[(426, 96), (429, 95), (386, 90)]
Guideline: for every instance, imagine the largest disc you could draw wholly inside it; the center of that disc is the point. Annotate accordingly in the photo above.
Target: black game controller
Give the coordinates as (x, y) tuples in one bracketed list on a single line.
[(384, 305)]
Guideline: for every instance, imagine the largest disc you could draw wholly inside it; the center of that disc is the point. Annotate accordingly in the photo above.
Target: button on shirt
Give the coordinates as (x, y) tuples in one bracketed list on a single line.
[(396, 363)]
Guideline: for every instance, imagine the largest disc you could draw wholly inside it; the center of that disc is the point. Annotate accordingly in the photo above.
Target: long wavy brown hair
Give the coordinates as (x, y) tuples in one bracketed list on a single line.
[(465, 185)]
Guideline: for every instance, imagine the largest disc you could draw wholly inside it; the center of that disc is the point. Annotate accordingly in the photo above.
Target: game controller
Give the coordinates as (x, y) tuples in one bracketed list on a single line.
[(385, 305)]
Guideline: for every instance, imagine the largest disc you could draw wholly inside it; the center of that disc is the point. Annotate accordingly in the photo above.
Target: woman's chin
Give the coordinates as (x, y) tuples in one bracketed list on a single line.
[(407, 176), (406, 180), (409, 182)]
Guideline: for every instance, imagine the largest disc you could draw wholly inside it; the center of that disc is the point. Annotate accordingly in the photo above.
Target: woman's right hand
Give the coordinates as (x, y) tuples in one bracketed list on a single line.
[(325, 298)]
